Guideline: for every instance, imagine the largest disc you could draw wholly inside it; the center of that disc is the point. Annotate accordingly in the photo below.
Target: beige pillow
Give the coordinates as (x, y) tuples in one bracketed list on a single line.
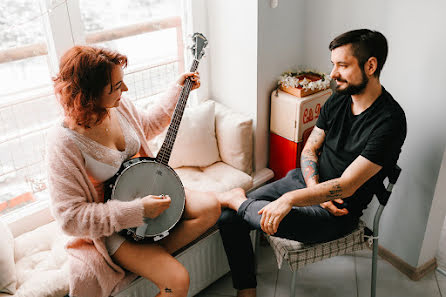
[(8, 277), (196, 144), (235, 138)]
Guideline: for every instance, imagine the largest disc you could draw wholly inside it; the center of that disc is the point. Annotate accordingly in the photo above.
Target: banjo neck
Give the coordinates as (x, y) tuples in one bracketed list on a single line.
[(166, 149)]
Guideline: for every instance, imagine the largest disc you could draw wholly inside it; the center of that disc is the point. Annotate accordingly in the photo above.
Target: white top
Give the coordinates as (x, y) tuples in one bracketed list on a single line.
[(103, 162)]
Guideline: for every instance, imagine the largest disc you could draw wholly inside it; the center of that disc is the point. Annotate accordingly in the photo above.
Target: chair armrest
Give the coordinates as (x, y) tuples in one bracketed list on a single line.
[(234, 138)]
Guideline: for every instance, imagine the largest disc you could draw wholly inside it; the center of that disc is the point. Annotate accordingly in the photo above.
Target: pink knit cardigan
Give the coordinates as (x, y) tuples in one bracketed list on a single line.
[(81, 213)]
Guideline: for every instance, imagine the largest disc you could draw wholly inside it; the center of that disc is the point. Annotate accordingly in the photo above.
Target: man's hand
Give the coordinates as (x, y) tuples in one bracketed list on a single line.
[(273, 214), (333, 209)]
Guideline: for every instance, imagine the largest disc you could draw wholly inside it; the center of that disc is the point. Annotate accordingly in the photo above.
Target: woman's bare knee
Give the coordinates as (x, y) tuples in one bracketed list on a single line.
[(178, 284), (211, 212), (216, 211), (155, 264)]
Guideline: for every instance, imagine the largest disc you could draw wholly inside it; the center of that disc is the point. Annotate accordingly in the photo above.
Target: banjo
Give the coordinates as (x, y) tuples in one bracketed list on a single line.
[(142, 176)]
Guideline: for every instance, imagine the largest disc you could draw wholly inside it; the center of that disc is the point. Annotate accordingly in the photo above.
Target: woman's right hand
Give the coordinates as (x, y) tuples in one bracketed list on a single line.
[(155, 205)]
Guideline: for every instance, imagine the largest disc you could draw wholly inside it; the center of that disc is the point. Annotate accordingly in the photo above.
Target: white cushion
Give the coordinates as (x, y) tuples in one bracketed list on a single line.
[(218, 177), (234, 137), (195, 144), (8, 277), (42, 262)]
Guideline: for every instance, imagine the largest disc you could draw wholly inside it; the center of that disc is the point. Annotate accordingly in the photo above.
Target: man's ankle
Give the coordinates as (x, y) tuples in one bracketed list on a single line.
[(247, 292)]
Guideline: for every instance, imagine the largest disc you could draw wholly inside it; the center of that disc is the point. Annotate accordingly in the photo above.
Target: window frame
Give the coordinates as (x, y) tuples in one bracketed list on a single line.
[(60, 17)]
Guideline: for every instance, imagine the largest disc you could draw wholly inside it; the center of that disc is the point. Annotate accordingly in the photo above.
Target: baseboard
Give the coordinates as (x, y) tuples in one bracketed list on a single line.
[(414, 273)]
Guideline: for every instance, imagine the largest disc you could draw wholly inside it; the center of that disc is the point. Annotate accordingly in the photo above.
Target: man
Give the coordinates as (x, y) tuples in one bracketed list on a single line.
[(357, 138)]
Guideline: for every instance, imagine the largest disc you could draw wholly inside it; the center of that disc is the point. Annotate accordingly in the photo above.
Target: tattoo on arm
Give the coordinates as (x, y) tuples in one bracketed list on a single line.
[(314, 136), (309, 169), (335, 190), (309, 158), (309, 166)]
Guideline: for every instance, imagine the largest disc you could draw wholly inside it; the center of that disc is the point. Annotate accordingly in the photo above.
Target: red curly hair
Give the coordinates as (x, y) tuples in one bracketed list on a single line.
[(84, 72)]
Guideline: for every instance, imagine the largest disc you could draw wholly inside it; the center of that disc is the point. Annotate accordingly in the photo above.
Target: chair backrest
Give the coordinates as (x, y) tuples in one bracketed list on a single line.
[(382, 192)]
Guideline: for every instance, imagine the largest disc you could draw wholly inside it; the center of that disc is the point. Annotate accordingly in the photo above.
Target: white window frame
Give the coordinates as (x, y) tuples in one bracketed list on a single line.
[(64, 16)]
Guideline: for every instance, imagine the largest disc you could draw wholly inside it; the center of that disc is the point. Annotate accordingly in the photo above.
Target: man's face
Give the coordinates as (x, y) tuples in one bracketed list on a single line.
[(349, 76)]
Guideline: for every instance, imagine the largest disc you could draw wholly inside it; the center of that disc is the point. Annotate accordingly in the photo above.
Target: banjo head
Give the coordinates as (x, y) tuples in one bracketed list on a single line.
[(147, 177)]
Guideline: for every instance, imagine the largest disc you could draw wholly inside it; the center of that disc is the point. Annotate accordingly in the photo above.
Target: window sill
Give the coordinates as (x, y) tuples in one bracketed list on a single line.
[(29, 217)]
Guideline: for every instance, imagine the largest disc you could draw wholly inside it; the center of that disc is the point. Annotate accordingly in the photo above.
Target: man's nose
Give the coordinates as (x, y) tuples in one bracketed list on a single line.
[(334, 73)]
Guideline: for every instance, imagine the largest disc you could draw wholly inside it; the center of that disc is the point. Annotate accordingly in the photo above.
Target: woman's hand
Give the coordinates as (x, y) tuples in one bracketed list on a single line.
[(273, 214), (194, 76), (155, 205)]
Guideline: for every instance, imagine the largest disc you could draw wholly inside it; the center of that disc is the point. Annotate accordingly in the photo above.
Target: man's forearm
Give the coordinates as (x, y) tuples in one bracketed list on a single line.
[(310, 172), (329, 190)]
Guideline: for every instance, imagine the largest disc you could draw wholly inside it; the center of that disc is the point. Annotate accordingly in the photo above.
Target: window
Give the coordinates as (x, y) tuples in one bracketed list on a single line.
[(23, 58), (33, 35), (148, 32)]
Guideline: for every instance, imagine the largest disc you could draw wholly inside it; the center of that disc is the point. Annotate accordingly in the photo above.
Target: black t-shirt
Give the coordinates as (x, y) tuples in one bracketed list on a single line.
[(377, 134)]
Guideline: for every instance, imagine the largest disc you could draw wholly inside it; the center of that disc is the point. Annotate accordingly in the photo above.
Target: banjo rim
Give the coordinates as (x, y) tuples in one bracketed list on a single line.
[(137, 161)]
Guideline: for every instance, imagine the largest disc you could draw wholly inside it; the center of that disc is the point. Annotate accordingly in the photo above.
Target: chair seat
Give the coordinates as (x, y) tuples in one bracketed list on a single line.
[(299, 254)]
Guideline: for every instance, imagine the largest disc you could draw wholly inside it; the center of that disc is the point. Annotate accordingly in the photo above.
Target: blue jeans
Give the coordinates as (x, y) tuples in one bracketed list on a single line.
[(309, 224)]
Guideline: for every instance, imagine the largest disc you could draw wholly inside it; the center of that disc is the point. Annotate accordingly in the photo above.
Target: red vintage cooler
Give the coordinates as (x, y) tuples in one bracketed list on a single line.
[(292, 119)]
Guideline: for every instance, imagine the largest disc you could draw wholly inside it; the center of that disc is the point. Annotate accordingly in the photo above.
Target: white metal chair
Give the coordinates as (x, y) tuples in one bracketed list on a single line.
[(298, 254)]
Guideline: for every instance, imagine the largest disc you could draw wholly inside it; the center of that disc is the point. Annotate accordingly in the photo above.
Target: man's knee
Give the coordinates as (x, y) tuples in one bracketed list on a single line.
[(228, 217)]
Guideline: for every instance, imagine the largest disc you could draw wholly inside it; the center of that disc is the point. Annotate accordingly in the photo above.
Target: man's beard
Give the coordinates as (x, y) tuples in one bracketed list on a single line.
[(354, 89)]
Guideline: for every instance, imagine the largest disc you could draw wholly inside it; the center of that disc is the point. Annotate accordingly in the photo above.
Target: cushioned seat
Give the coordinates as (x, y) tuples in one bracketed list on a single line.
[(217, 177), (298, 254), (213, 152), (41, 263)]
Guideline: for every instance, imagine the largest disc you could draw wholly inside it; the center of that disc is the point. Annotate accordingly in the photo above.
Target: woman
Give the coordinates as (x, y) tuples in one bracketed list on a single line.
[(100, 130)]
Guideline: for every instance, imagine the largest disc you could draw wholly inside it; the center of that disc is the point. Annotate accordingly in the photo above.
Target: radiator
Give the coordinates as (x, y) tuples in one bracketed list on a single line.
[(205, 260)]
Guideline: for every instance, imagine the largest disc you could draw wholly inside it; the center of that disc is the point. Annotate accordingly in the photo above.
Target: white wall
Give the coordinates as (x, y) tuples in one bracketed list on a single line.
[(280, 49), (248, 53), (233, 54), (298, 32), (415, 75)]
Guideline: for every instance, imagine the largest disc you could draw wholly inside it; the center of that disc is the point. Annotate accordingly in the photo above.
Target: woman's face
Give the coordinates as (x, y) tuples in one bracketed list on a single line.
[(111, 94)]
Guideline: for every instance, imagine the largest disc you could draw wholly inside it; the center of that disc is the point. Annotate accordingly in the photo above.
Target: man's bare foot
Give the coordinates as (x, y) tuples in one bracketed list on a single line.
[(231, 199), (247, 293)]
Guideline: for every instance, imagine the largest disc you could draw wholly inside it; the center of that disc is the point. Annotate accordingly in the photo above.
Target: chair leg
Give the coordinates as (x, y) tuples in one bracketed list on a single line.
[(293, 284), (374, 267)]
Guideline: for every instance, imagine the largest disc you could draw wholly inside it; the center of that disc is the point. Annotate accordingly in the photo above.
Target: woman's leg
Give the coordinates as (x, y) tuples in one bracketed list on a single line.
[(201, 212), (155, 264)]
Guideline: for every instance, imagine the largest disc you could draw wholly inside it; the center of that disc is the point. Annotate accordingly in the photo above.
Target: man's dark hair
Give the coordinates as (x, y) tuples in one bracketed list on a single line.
[(365, 44)]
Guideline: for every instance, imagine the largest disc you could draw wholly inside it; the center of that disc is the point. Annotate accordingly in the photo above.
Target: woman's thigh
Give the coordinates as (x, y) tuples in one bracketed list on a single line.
[(153, 263)]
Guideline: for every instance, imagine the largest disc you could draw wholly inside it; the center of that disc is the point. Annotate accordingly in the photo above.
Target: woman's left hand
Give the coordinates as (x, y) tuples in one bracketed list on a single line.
[(194, 77), (273, 214)]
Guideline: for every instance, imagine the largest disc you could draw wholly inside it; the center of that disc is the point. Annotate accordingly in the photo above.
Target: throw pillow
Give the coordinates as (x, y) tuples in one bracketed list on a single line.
[(8, 277), (234, 137), (196, 144)]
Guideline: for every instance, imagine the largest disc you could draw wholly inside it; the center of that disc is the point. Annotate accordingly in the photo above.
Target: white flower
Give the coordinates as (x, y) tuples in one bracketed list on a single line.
[(289, 79)]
